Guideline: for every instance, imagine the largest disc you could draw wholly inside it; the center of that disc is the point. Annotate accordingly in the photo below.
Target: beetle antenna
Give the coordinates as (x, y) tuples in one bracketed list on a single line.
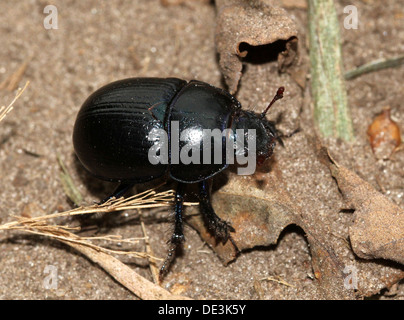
[(278, 96)]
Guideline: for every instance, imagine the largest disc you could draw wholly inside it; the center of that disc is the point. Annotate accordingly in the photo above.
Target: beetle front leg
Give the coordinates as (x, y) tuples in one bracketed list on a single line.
[(220, 228), (177, 237)]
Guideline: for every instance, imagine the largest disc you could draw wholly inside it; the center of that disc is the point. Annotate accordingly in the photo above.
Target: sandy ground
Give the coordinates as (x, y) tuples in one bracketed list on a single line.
[(100, 41)]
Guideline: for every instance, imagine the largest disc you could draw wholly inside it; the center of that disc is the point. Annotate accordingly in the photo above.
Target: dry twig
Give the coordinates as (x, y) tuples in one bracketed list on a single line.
[(5, 110), (11, 83), (374, 66), (278, 280)]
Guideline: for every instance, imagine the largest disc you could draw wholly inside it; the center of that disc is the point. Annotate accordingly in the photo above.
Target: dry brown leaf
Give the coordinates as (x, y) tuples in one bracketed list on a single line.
[(244, 23), (327, 267), (384, 135), (258, 208), (378, 228)]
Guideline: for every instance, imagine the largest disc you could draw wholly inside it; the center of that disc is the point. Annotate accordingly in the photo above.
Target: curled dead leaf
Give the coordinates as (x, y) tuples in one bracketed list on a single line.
[(242, 26), (384, 135), (378, 227), (257, 206)]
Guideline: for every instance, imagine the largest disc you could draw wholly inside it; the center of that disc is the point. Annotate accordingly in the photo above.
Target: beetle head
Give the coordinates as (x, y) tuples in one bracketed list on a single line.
[(271, 135), (265, 135), (265, 130), (266, 149)]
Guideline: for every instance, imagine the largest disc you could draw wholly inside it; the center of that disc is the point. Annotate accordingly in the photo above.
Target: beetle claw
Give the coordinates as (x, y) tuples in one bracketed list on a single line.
[(221, 229), (175, 241)]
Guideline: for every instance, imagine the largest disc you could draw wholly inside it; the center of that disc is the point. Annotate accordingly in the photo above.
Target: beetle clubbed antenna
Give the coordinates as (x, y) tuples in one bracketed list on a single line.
[(278, 96)]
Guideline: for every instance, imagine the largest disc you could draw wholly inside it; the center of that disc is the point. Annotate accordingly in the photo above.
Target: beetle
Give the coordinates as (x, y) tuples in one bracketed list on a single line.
[(111, 138)]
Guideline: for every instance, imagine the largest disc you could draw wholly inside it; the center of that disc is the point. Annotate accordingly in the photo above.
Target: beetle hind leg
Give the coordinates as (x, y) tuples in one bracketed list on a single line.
[(220, 228), (177, 237), (119, 191)]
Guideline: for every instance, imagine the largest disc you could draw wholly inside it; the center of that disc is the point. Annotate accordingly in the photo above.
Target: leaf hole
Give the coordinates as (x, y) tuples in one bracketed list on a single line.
[(263, 53)]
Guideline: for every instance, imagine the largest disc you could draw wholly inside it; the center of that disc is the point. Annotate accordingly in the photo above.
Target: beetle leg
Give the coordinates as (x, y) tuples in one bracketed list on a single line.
[(177, 237), (119, 191), (221, 229)]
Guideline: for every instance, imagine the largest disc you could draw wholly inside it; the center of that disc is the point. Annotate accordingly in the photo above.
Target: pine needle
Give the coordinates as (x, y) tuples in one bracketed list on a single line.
[(5, 110)]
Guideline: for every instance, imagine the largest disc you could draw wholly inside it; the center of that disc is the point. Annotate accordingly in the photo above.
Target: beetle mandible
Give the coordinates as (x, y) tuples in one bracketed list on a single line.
[(112, 130)]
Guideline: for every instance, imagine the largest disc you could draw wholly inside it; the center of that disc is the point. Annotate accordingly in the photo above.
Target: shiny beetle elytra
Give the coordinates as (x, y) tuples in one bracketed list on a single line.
[(112, 130)]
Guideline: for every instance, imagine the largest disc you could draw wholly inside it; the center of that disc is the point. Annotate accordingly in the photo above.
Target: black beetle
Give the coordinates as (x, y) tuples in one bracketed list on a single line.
[(112, 133)]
